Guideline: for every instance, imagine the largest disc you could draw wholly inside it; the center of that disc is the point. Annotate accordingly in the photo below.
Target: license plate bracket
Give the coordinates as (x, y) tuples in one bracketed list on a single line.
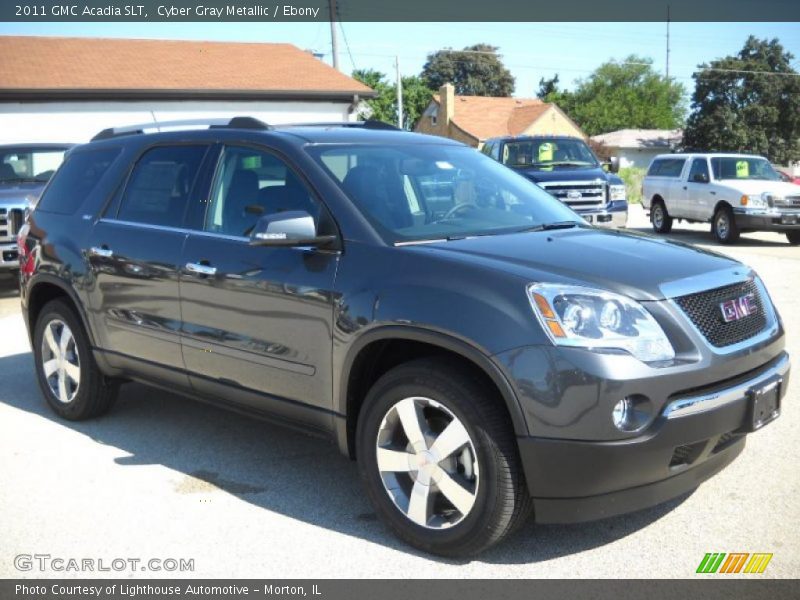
[(764, 403)]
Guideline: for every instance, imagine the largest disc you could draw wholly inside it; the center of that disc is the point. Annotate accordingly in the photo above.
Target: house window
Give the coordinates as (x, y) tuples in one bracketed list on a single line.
[(433, 119)]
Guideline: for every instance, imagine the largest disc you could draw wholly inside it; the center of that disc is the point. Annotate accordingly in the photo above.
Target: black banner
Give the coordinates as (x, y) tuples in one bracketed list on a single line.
[(406, 10)]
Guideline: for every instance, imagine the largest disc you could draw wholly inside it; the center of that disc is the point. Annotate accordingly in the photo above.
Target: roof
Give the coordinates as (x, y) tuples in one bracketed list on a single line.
[(300, 134), (60, 67), (709, 155), (640, 138), (487, 116)]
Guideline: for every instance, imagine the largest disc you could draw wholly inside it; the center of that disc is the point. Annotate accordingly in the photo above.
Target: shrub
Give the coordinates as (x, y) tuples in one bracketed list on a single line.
[(633, 176)]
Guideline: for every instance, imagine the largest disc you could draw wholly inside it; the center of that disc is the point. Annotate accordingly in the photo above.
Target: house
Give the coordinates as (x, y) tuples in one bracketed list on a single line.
[(474, 119), (638, 147), (58, 89)]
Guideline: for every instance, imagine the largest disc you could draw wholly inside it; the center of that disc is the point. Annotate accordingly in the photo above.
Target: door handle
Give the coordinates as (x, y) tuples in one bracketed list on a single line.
[(199, 269), (101, 251), (685, 187)]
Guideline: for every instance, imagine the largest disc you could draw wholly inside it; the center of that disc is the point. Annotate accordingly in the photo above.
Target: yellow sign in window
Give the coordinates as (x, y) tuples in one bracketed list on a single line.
[(546, 152), (742, 169)]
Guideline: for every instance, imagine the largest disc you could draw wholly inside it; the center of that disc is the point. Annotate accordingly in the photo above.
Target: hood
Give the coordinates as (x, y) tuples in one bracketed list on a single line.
[(756, 187), (636, 265), (568, 174), (19, 194)]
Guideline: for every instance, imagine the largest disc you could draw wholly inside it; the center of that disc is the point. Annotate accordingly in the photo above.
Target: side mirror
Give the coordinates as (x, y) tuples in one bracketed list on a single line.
[(613, 164), (289, 228), (700, 178)]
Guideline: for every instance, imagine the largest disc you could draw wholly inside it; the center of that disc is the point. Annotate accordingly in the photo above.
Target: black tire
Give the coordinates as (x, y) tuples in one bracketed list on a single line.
[(95, 393), (659, 217), (724, 227), (793, 237), (501, 501)]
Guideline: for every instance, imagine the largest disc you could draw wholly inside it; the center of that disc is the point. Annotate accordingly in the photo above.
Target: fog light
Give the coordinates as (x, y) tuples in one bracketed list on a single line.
[(632, 413)]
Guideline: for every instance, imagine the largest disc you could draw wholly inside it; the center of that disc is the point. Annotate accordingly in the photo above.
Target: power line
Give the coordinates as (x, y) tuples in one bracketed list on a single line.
[(347, 45)]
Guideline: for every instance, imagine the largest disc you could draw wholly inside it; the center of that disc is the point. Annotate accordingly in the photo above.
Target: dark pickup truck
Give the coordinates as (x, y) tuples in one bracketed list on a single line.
[(566, 168)]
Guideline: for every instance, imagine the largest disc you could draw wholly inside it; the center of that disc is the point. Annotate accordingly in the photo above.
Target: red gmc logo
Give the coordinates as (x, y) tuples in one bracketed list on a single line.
[(738, 308)]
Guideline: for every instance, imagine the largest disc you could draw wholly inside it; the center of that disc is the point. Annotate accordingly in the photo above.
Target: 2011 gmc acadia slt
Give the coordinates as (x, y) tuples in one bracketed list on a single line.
[(478, 348)]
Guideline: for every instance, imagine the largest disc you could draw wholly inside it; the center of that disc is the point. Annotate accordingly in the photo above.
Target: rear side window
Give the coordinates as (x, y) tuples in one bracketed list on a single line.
[(76, 179), (667, 167), (160, 185)]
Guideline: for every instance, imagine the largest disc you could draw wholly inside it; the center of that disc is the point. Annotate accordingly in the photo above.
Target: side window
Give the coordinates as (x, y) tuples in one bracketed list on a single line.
[(655, 168), (699, 167), (160, 184), (672, 167), (251, 183), (76, 179), (488, 148)]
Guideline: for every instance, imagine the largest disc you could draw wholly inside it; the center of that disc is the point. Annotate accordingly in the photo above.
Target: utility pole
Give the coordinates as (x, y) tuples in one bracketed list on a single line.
[(399, 93), (667, 42), (334, 39)]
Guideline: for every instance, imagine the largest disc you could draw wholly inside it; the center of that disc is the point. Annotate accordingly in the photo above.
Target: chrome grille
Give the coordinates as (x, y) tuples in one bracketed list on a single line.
[(10, 219), (592, 193), (704, 310)]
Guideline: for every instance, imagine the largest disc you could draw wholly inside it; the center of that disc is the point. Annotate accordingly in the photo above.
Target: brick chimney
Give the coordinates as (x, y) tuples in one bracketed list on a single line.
[(447, 104)]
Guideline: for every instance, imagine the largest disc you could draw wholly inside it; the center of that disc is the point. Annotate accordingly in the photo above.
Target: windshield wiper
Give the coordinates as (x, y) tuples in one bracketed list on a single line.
[(552, 226), (21, 180)]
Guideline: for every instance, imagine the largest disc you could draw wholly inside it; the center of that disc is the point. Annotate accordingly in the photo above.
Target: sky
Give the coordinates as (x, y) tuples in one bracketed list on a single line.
[(530, 50)]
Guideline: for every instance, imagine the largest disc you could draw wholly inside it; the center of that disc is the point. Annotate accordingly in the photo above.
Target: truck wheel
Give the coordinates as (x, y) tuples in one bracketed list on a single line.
[(793, 237), (65, 368), (724, 227), (662, 222), (438, 457)]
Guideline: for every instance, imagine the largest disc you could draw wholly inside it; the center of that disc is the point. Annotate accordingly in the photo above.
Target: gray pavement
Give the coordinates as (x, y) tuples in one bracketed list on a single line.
[(165, 477)]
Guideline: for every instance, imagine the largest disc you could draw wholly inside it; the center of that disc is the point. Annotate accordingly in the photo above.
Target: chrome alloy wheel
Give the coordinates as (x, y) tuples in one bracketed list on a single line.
[(427, 463), (723, 225), (60, 361), (658, 216)]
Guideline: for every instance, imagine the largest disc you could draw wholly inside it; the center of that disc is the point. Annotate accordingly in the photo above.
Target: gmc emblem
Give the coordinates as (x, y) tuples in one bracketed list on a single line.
[(738, 308)]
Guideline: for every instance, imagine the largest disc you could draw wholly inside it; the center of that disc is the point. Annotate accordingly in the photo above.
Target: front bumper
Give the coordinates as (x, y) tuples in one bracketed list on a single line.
[(766, 220), (9, 257), (695, 436), (615, 214)]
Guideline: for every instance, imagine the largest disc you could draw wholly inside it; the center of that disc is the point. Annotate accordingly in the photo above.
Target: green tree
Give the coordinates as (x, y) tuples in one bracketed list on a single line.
[(747, 103), (547, 87), (474, 71), (620, 95), (383, 107)]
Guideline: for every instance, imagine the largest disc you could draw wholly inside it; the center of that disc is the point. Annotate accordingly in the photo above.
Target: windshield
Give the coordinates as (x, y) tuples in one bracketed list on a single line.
[(737, 167), (415, 192), (34, 165), (548, 153)]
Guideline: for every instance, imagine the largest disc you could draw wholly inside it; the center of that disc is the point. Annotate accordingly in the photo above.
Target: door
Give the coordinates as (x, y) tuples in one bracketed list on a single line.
[(700, 199), (257, 321), (134, 254)]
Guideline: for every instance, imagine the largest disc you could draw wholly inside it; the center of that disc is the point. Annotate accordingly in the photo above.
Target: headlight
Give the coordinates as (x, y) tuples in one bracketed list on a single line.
[(753, 201), (616, 192), (598, 320)]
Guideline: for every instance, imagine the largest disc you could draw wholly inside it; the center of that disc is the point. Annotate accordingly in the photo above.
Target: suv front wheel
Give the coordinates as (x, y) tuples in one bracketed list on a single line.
[(437, 455), (65, 368)]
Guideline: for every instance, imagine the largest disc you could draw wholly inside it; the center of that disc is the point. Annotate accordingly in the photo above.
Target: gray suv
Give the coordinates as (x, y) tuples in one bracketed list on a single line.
[(481, 351)]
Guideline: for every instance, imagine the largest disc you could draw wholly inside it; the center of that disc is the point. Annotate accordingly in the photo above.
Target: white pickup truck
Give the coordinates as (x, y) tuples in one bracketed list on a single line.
[(736, 193)]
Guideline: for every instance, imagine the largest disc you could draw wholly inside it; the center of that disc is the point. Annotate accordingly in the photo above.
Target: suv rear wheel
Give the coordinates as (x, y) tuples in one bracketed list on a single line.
[(662, 222), (723, 225), (438, 457), (65, 368), (793, 237)]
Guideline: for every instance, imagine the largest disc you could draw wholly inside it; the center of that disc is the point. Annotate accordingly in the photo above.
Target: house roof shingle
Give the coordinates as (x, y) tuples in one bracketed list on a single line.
[(485, 116), (100, 66)]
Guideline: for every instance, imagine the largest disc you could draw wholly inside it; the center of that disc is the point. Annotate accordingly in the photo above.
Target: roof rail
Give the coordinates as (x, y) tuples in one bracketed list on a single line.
[(368, 124), (234, 123)]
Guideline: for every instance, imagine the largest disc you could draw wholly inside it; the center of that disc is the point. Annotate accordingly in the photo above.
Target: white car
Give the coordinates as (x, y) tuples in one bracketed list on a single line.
[(736, 193)]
